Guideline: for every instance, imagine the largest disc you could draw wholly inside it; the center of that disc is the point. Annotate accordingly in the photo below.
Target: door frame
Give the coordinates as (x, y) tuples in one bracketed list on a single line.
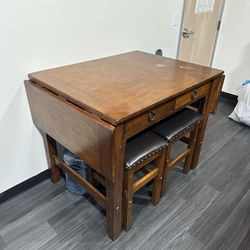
[(217, 34)]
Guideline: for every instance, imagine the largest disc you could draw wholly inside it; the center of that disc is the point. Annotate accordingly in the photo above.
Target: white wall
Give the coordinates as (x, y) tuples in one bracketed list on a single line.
[(233, 48), (36, 35)]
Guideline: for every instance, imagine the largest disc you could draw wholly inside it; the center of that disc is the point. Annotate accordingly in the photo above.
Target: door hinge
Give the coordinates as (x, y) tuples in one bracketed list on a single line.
[(219, 24)]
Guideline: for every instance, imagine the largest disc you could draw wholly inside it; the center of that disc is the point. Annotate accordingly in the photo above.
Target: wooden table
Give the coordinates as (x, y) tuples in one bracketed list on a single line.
[(92, 108)]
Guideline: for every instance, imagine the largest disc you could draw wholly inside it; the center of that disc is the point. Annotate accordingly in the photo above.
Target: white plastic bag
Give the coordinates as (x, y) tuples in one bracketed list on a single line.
[(241, 112)]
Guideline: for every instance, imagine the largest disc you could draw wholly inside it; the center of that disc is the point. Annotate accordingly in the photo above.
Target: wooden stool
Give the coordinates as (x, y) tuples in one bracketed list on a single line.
[(140, 151), (175, 128)]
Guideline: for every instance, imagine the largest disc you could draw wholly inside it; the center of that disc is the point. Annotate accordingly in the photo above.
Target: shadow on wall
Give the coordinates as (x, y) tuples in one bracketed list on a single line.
[(242, 72)]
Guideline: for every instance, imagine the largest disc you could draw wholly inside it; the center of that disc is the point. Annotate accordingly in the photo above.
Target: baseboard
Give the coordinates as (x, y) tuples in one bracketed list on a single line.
[(229, 96), (33, 181)]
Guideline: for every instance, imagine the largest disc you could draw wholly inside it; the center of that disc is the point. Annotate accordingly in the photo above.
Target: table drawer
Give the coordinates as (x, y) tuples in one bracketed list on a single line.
[(148, 118), (191, 96)]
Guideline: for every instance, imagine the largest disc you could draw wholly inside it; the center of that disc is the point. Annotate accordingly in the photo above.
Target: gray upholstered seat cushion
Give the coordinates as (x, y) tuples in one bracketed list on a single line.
[(177, 124), (141, 147)]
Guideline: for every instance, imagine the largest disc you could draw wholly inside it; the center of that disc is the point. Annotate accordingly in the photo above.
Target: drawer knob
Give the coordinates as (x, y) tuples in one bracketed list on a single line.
[(151, 115), (194, 94)]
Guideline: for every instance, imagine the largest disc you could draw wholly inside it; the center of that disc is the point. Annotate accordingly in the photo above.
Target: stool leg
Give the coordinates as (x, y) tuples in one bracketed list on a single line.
[(167, 161), (127, 199), (160, 164), (191, 145)]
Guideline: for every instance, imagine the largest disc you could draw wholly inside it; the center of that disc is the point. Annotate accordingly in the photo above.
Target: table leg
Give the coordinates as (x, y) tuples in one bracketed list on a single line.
[(199, 143), (51, 151), (114, 209), (203, 109), (114, 187), (208, 104)]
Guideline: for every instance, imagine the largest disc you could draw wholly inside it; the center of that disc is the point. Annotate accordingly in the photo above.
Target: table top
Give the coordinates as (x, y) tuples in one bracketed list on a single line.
[(119, 87)]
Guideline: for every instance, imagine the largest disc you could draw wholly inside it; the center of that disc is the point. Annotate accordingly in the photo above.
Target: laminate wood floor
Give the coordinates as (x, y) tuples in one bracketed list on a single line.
[(207, 209)]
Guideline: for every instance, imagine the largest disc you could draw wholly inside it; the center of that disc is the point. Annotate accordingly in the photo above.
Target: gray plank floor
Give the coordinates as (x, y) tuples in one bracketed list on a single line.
[(207, 209)]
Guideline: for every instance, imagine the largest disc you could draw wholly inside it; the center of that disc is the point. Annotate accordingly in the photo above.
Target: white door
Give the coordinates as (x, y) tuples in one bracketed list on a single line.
[(201, 22)]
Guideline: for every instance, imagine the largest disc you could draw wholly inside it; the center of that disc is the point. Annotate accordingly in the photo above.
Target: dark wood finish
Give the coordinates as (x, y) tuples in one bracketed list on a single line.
[(114, 187), (92, 139), (119, 87), (181, 156), (98, 196), (92, 108), (131, 187), (166, 167), (204, 108), (208, 105), (83, 134), (217, 87), (97, 177), (145, 179), (191, 146), (127, 199), (192, 96), (149, 118), (51, 151), (160, 163), (187, 154), (185, 139)]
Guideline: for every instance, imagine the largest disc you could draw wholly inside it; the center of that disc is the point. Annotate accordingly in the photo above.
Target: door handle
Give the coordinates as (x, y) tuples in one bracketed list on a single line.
[(186, 33)]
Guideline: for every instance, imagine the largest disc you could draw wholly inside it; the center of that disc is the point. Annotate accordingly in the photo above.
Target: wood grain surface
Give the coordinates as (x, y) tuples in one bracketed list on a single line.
[(118, 87), (85, 135)]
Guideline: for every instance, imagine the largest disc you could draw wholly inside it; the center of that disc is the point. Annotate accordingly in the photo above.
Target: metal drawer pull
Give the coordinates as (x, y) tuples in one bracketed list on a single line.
[(194, 94), (151, 115)]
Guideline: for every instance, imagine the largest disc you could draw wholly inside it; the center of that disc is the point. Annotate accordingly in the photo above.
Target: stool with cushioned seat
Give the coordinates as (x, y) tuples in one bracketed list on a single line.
[(140, 151), (175, 128)]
